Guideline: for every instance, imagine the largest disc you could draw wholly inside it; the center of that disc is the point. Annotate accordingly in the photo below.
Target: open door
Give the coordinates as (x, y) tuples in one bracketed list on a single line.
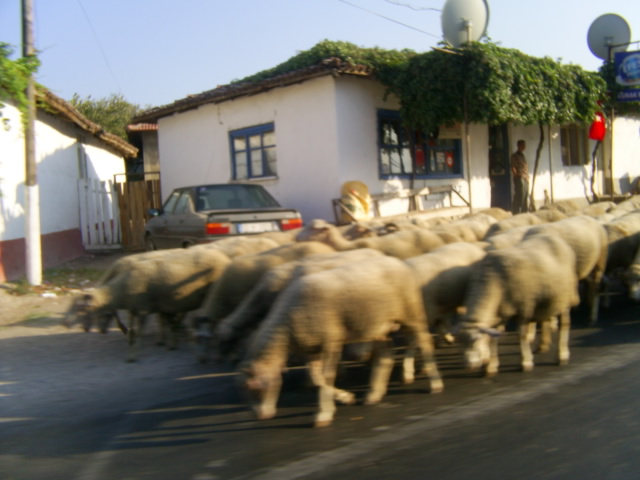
[(499, 168)]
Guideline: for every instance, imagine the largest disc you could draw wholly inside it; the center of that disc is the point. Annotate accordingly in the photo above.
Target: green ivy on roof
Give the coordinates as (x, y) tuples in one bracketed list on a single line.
[(482, 83)]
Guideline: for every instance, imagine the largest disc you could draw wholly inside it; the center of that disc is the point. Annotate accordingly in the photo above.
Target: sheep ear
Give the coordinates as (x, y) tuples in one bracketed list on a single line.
[(492, 332)]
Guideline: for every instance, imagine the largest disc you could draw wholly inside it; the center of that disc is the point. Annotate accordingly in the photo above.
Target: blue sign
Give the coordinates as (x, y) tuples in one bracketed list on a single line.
[(627, 65), (629, 95)]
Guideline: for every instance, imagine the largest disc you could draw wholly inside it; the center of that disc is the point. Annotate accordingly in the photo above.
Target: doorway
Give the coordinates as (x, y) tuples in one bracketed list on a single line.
[(499, 168)]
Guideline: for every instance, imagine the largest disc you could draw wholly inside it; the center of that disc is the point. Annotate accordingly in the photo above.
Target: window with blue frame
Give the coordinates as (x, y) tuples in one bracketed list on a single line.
[(253, 152), (406, 153)]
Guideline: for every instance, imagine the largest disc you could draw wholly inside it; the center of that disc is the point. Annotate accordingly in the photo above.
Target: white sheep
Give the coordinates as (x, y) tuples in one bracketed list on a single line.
[(169, 283), (443, 275), (518, 220), (469, 229), (255, 305), (507, 238), (317, 314), (588, 239), (402, 244), (240, 276), (623, 236), (534, 281), (236, 246)]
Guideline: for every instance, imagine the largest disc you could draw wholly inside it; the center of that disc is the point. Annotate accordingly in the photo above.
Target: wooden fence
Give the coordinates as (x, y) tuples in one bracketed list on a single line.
[(135, 198), (99, 215)]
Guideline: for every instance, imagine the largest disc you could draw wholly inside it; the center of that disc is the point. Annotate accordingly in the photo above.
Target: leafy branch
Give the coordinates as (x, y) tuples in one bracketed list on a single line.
[(14, 77)]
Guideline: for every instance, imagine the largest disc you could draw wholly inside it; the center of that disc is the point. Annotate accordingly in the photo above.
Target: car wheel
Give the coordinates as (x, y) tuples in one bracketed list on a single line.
[(149, 246)]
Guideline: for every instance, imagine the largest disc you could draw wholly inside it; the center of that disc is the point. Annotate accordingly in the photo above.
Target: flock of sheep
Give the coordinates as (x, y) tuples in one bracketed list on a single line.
[(313, 292)]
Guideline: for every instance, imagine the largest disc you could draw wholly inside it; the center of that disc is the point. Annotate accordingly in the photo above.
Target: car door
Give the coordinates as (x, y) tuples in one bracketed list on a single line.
[(158, 226), (178, 222)]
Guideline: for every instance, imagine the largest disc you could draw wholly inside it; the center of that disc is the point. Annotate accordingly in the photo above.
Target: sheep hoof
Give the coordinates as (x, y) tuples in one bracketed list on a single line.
[(490, 372), (408, 379), (527, 367), (436, 386), (372, 399), (345, 398), (563, 361), (323, 420), (263, 413), (542, 349)]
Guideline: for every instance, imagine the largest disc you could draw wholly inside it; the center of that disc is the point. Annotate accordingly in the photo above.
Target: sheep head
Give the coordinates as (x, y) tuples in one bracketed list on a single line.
[(81, 310), (476, 342), (262, 385)]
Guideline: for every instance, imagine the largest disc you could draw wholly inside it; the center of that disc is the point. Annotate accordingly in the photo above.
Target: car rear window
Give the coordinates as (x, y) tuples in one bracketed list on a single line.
[(224, 197)]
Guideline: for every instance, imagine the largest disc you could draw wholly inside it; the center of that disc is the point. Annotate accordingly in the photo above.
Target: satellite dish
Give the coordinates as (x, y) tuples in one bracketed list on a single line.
[(464, 21), (608, 29)]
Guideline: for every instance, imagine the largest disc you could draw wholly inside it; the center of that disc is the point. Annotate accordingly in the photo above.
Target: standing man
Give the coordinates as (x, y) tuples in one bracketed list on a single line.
[(520, 173)]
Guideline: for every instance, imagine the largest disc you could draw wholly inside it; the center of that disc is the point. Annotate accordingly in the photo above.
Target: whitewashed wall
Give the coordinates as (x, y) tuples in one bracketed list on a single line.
[(57, 153), (194, 146), (326, 134), (626, 153)]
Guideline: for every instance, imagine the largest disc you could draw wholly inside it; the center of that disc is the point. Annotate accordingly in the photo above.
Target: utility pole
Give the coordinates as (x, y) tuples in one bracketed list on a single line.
[(32, 195)]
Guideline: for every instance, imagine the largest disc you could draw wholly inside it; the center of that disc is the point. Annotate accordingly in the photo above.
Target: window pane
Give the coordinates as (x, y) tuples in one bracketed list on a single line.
[(256, 163), (269, 139), (254, 141), (270, 154), (241, 166), (239, 144), (183, 203), (389, 136)]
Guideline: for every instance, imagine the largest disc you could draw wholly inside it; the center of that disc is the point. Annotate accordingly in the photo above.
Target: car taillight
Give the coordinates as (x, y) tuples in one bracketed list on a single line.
[(291, 223), (217, 228)]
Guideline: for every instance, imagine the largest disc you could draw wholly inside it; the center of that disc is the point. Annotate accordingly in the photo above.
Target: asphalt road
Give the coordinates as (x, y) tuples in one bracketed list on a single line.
[(187, 421)]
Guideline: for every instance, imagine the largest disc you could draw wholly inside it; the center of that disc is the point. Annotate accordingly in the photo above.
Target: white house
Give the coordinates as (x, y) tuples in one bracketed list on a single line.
[(305, 133), (69, 148)]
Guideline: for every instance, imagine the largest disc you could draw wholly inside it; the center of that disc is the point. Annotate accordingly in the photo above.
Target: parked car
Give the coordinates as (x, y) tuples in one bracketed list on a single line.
[(205, 213)]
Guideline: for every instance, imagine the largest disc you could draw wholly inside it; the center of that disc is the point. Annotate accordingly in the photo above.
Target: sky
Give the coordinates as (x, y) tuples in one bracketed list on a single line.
[(153, 52)]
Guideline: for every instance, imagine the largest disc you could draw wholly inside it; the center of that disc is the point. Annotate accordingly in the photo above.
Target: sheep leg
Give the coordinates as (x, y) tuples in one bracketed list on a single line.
[(327, 406), (423, 340), (409, 365), (169, 329), (494, 361), (137, 324), (134, 334), (525, 346), (593, 298), (546, 328), (563, 337), (380, 372), (202, 338), (339, 395)]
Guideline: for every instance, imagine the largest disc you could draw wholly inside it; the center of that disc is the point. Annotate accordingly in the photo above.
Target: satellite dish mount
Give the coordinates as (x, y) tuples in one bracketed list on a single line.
[(464, 21)]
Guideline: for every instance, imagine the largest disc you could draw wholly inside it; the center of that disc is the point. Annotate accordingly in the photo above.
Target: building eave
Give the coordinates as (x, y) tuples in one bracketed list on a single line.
[(330, 66), (61, 108)]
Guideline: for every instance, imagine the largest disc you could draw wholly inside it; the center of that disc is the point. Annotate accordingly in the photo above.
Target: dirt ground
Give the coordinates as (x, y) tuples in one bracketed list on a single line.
[(44, 306)]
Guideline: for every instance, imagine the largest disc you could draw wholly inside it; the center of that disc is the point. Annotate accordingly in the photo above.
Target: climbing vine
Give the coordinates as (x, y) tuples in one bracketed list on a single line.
[(481, 82), (14, 77), (489, 84)]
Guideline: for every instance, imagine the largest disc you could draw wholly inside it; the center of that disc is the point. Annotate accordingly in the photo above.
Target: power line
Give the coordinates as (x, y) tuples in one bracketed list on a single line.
[(390, 19), (412, 7), (104, 54)]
